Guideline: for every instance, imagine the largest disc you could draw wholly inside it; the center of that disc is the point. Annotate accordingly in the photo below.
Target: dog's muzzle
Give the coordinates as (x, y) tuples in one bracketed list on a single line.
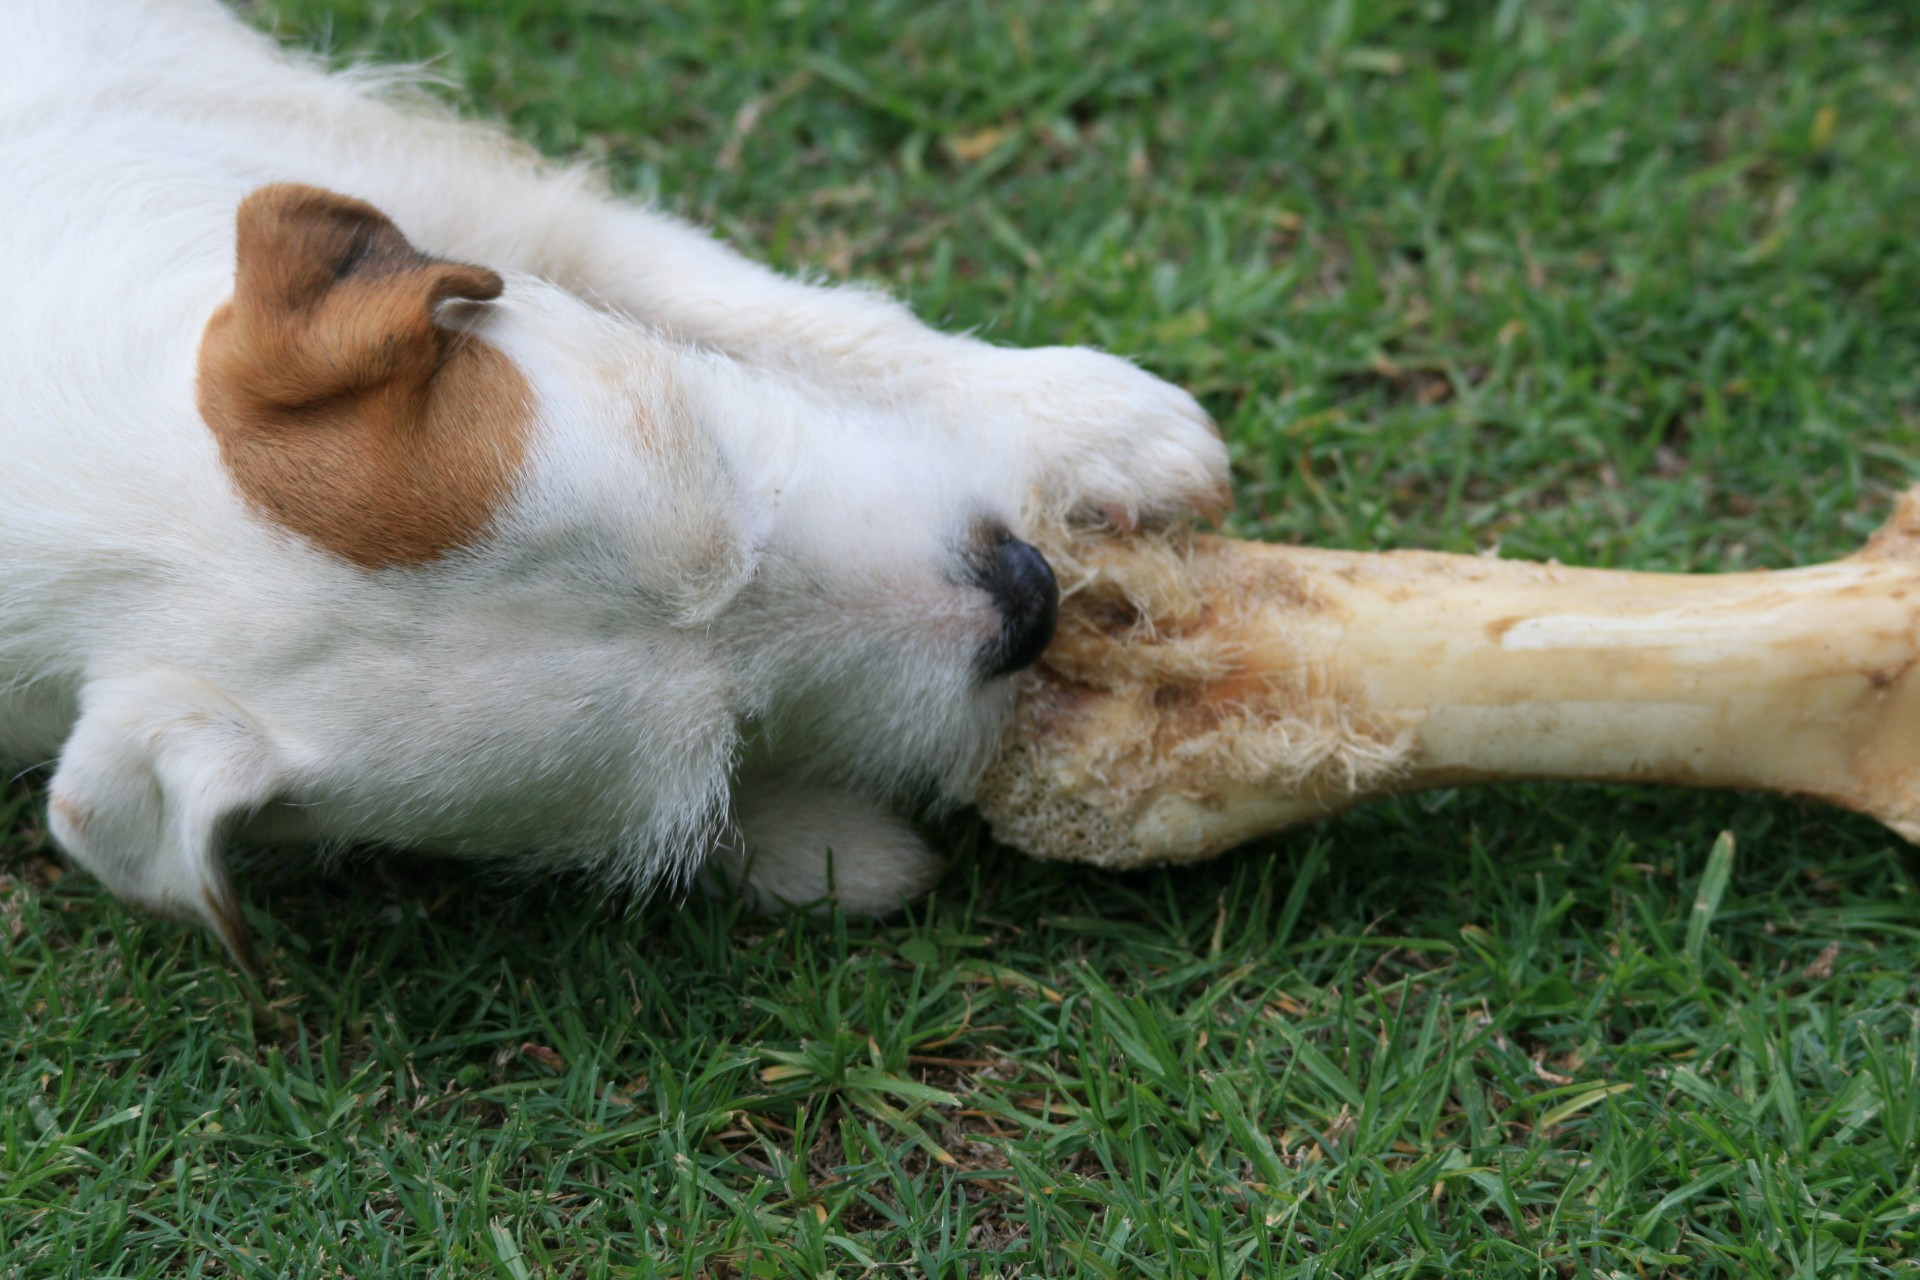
[(1023, 588)]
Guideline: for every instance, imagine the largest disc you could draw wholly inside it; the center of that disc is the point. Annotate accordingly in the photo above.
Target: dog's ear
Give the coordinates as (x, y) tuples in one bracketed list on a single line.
[(345, 409), (154, 775), (329, 298)]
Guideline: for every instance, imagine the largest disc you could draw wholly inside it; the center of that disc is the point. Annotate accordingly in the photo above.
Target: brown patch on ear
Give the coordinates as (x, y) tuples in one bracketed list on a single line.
[(64, 808), (343, 411)]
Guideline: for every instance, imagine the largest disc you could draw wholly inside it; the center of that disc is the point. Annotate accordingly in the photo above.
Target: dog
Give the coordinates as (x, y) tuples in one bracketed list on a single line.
[(371, 480)]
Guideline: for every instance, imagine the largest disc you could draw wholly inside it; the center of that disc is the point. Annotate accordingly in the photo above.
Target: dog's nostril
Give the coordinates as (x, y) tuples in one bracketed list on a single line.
[(1021, 583)]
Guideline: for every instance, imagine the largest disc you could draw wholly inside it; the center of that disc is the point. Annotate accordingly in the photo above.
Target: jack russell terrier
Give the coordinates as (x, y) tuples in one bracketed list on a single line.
[(368, 479)]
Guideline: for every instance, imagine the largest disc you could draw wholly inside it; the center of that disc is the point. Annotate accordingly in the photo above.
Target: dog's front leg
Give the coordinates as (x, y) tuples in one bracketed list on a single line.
[(1078, 430), (799, 844)]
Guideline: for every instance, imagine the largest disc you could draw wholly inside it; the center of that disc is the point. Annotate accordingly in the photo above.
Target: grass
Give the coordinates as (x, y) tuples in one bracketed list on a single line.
[(1619, 283)]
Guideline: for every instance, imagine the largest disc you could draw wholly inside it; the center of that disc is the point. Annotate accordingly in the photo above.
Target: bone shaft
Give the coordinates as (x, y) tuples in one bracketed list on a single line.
[(1794, 681), (1204, 691)]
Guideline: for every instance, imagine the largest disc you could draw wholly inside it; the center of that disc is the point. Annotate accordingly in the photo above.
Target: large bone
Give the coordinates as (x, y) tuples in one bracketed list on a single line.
[(1203, 691)]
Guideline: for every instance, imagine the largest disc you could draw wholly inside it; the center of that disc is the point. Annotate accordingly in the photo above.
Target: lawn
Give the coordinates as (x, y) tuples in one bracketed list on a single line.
[(1620, 283)]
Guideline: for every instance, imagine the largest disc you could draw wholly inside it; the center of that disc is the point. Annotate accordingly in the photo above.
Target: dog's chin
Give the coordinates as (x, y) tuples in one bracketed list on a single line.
[(910, 747), (950, 775)]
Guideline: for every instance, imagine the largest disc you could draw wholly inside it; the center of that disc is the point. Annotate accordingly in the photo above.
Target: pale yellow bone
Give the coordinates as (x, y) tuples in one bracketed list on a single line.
[(1203, 691)]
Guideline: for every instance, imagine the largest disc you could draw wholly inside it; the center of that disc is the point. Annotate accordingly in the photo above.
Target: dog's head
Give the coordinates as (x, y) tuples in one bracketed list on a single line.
[(548, 577)]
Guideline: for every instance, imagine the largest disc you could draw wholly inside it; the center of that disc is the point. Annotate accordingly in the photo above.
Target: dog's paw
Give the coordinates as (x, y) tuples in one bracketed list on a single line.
[(1103, 437), (802, 845)]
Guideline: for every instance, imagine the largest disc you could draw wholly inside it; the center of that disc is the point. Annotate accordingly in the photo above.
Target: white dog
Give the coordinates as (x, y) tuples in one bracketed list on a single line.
[(366, 479)]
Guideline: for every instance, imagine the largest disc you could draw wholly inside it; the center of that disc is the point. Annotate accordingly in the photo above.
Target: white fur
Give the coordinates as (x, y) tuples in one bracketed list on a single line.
[(724, 599)]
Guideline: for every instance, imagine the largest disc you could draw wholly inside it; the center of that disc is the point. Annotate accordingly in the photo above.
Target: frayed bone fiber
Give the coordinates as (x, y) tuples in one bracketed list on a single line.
[(1204, 691)]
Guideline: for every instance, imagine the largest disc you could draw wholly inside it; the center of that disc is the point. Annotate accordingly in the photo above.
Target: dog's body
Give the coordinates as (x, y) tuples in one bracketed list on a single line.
[(313, 530)]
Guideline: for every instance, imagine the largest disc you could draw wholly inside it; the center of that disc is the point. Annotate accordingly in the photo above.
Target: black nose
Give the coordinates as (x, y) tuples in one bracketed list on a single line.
[(1021, 584)]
